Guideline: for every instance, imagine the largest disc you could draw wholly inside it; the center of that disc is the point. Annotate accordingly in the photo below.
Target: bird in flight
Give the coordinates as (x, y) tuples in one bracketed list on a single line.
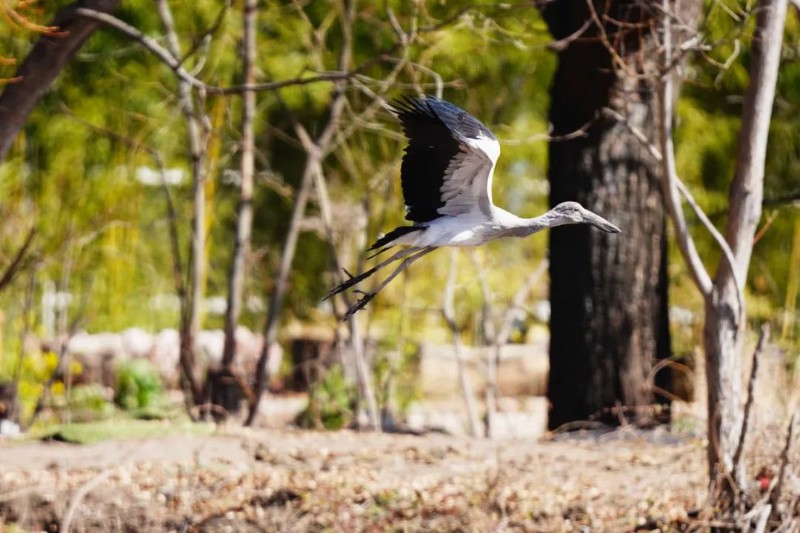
[(446, 176)]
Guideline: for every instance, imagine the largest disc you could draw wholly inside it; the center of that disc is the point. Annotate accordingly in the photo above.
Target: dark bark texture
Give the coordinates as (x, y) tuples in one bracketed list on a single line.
[(609, 321), (46, 60)]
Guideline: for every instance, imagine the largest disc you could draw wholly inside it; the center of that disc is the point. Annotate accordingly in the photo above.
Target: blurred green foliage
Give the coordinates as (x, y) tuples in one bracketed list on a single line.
[(33, 373), (119, 428), (707, 132), (330, 402), (75, 172), (139, 385), (63, 401)]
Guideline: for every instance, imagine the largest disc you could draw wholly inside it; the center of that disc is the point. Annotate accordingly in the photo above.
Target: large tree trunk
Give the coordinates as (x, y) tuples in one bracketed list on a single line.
[(608, 293), (46, 60)]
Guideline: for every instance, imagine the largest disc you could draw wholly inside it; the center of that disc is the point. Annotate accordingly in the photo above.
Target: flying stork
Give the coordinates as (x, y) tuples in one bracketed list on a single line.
[(446, 176)]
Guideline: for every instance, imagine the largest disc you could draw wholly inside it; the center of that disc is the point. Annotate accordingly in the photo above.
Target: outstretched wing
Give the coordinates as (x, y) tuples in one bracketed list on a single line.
[(449, 161)]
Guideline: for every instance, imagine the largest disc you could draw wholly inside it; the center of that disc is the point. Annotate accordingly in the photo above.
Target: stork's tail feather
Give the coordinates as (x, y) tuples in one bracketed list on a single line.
[(396, 233)]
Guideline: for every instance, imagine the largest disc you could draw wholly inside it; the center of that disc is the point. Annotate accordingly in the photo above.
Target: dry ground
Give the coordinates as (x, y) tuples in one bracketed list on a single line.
[(291, 480)]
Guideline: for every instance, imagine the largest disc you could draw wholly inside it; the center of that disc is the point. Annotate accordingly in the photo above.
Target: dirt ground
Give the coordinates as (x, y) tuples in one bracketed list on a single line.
[(292, 480)]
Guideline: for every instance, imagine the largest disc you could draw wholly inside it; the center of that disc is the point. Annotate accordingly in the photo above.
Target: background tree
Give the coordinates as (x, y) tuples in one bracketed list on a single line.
[(609, 319), (62, 39), (725, 317)]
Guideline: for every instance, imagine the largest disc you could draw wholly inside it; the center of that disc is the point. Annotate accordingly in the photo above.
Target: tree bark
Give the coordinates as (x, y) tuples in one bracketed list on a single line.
[(46, 60), (190, 306), (609, 320), (724, 320), (244, 221)]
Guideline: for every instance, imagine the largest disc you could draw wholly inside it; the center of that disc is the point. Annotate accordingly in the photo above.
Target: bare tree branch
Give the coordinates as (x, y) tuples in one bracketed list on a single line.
[(561, 44), (670, 175), (173, 62), (244, 218), (49, 56), (747, 188), (14, 267), (190, 306)]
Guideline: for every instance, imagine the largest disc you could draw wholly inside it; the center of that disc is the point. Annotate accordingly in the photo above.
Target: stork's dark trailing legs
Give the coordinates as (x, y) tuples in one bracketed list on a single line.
[(410, 255), (353, 280)]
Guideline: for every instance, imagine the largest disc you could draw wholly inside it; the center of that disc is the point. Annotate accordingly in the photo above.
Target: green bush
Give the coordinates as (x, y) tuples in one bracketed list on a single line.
[(87, 403), (138, 385), (330, 402)]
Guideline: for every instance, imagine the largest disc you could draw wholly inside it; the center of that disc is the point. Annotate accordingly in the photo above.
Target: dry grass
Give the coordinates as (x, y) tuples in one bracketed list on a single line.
[(288, 480), (292, 481)]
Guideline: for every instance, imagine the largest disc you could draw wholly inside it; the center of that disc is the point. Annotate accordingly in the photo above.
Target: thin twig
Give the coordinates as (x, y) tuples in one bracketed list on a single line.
[(770, 219), (727, 253), (501, 339), (561, 44), (581, 132), (85, 489), (617, 60), (211, 30), (174, 63), (16, 264)]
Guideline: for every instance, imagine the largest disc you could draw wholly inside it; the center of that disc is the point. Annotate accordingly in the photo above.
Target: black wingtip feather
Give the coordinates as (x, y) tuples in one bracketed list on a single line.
[(450, 115)]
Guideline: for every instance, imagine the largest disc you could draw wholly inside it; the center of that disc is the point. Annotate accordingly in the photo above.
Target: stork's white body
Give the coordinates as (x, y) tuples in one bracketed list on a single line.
[(471, 229)]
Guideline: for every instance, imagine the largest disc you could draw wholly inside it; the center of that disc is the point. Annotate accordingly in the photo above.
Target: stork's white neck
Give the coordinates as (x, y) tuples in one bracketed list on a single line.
[(536, 224), (522, 227)]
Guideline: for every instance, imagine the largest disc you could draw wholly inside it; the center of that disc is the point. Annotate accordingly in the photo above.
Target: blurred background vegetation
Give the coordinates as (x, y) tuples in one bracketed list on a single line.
[(83, 171)]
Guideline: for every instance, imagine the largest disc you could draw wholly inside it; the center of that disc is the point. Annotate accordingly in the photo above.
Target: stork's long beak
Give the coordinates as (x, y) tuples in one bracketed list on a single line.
[(599, 222)]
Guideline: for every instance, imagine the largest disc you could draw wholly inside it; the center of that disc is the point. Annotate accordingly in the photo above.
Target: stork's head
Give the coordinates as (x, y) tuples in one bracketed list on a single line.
[(575, 213)]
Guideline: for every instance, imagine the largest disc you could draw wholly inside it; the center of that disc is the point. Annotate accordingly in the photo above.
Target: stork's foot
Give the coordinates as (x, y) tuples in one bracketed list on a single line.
[(346, 284), (360, 304)]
